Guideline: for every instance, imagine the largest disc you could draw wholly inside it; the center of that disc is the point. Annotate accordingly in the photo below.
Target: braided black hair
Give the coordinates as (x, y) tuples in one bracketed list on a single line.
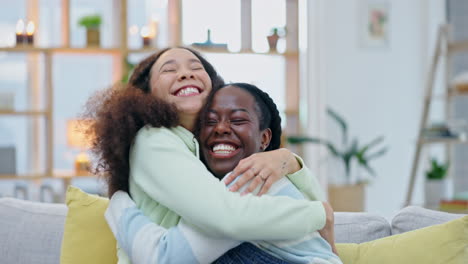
[(267, 111)]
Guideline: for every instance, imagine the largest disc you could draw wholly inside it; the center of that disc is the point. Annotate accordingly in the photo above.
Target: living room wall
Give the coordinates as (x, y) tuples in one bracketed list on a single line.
[(379, 91)]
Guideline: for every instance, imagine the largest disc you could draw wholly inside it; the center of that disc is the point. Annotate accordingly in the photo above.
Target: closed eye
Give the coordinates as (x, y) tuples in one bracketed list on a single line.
[(239, 121), (168, 70), (211, 122)]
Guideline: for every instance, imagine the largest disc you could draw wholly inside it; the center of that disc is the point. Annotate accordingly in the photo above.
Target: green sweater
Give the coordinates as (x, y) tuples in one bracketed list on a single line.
[(166, 172)]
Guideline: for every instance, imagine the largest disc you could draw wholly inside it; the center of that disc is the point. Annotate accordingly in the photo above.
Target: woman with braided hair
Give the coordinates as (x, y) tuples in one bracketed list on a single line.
[(145, 145), (239, 120)]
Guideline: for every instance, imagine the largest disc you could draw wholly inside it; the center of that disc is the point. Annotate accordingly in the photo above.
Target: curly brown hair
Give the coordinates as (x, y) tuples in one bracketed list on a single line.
[(120, 112)]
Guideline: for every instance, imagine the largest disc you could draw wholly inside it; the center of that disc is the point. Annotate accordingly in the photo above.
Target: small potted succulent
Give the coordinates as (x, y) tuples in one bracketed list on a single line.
[(437, 184), (92, 24)]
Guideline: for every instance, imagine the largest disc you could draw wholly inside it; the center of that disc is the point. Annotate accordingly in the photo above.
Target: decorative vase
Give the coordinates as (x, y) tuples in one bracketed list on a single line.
[(92, 37), (273, 40), (436, 190), (347, 198)]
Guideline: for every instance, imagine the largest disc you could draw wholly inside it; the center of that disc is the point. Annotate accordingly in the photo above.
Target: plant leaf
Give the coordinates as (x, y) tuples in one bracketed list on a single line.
[(377, 154), (302, 139), (368, 168), (341, 122), (371, 144)]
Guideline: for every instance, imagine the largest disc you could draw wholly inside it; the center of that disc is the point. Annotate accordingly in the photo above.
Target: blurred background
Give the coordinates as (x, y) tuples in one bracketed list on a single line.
[(378, 117)]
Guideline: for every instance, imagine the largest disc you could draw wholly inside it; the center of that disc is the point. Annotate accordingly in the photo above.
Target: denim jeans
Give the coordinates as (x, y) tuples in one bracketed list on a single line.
[(246, 253)]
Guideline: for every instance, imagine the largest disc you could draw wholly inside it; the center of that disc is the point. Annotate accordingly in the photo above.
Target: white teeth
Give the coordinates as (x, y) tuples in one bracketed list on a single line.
[(223, 148), (187, 91)]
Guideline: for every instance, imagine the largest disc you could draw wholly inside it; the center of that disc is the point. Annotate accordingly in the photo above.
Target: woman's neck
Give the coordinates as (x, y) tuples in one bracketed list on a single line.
[(188, 122)]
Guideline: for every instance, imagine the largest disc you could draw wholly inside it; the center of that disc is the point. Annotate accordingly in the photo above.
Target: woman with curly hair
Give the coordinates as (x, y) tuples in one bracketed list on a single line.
[(238, 114), (145, 145)]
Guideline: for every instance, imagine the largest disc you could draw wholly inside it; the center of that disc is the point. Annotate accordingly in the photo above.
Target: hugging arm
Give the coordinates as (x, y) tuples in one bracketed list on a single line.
[(192, 192), (147, 242), (274, 165)]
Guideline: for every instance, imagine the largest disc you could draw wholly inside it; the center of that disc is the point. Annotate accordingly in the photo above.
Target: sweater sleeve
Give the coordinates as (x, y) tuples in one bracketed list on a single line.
[(169, 173), (306, 182), (147, 242)]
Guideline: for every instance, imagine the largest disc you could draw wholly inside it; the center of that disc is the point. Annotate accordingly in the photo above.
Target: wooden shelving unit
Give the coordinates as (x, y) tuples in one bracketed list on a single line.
[(444, 50), (24, 113), (120, 52)]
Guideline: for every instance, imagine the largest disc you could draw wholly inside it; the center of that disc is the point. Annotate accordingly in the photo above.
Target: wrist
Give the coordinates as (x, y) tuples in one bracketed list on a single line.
[(291, 163)]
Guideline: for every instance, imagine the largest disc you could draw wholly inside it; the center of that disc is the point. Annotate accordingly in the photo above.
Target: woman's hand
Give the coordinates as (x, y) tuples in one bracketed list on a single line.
[(328, 231), (264, 168)]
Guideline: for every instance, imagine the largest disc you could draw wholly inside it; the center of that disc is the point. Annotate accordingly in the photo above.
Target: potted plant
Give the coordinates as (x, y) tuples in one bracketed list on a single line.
[(92, 24), (347, 194), (436, 185), (275, 35)]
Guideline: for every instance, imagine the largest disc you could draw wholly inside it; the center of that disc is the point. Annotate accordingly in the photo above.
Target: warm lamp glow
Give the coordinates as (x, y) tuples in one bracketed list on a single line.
[(133, 30), (77, 136), (19, 27), (30, 28), (154, 27), (145, 32)]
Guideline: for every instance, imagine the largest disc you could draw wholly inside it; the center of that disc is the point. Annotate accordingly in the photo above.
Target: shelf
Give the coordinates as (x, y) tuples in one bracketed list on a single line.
[(286, 54), (434, 140), (92, 50), (144, 50), (24, 113), (24, 49), (458, 46), (43, 176), (97, 50), (22, 177), (87, 50)]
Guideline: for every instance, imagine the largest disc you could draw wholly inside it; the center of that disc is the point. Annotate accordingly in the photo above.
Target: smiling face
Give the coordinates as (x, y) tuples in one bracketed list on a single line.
[(231, 130), (179, 77)]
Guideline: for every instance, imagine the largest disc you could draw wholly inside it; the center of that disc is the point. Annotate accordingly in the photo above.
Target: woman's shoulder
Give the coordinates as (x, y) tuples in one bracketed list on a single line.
[(163, 135), (150, 133)]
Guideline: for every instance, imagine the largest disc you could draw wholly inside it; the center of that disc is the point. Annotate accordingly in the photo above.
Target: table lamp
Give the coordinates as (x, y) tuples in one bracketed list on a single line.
[(77, 137)]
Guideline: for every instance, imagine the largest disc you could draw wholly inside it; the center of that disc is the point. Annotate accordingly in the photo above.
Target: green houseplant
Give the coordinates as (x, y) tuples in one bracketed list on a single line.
[(92, 24), (275, 34), (437, 185), (349, 150), (437, 171), (350, 196)]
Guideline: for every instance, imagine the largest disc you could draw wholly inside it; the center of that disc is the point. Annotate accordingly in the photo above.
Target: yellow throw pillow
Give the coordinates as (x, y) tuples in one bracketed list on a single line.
[(445, 243), (87, 238)]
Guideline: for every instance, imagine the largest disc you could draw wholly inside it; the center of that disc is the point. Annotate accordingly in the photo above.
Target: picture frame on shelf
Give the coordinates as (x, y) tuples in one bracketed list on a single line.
[(374, 24)]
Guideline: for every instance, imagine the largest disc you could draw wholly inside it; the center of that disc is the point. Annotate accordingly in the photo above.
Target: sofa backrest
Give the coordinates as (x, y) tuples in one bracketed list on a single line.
[(360, 227), (415, 217), (30, 232)]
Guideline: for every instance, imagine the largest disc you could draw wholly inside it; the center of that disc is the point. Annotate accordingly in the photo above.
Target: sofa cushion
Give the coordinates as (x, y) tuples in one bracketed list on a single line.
[(445, 243), (87, 238), (414, 217), (360, 227), (30, 232)]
